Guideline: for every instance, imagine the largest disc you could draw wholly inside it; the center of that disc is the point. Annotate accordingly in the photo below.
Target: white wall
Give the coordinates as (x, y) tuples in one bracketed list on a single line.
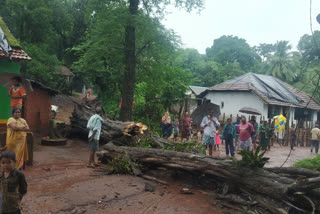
[(234, 101)]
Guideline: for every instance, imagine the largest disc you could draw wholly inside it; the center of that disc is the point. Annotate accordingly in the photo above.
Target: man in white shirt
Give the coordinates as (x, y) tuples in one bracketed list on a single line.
[(94, 125), (315, 138), (209, 124)]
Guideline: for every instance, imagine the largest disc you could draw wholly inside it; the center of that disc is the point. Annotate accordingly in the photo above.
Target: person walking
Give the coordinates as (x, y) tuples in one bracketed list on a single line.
[(228, 134), (209, 124), (94, 125), (246, 130), (315, 139)]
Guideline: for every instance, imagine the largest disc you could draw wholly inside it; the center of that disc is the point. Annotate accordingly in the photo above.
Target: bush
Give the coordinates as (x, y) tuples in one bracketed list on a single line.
[(122, 166), (310, 163), (252, 159)]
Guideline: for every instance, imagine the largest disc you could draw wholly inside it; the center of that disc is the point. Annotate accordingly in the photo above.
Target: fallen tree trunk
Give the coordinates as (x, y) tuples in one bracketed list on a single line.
[(272, 191), (120, 133)]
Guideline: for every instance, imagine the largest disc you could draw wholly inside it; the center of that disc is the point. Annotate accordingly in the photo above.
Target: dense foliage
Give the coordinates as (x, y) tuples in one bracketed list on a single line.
[(89, 37)]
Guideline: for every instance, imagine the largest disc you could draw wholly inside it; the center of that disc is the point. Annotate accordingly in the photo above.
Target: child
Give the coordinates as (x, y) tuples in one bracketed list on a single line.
[(12, 184), (176, 125), (218, 140), (17, 93)]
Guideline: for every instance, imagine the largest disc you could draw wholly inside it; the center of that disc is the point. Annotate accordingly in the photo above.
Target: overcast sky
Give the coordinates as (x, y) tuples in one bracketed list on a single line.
[(257, 21)]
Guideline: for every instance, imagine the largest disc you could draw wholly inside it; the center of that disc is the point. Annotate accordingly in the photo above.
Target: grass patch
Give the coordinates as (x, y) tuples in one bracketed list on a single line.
[(310, 163), (121, 165), (191, 147)]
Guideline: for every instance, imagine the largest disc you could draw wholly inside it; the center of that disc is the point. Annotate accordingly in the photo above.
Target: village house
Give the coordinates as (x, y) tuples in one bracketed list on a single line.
[(193, 99), (267, 94), (11, 54), (37, 104)]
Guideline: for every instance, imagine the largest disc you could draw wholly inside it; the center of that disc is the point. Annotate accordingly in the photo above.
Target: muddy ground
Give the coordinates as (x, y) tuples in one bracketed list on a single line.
[(60, 183)]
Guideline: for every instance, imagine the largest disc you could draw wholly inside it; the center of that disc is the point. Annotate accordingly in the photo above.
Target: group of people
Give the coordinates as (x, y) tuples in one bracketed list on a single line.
[(185, 126), (241, 134), (14, 154), (246, 134)]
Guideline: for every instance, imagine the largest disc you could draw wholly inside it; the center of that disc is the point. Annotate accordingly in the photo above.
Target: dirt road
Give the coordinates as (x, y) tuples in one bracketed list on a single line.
[(60, 183)]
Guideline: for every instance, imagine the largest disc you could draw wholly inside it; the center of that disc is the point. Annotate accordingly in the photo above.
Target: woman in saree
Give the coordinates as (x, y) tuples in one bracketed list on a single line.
[(264, 135), (17, 138)]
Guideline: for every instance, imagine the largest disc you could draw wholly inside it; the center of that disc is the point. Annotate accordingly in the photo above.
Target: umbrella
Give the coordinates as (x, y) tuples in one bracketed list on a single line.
[(203, 110), (249, 110), (5, 81)]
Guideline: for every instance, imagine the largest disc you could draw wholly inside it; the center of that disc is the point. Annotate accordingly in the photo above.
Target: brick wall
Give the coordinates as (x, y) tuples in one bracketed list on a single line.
[(37, 110)]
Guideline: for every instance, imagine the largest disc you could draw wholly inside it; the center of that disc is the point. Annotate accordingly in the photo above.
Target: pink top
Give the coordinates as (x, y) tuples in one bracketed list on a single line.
[(245, 131)]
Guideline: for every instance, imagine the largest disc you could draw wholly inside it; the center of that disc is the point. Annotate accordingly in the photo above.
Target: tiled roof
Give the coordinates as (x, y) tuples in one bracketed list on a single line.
[(17, 54), (305, 99)]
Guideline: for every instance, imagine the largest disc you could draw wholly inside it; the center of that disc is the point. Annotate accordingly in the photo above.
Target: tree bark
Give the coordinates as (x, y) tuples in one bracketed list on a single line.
[(118, 132), (268, 189), (130, 61)]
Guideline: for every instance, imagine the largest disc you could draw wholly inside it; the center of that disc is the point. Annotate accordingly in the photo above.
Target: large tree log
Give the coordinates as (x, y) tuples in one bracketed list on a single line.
[(120, 133), (260, 183)]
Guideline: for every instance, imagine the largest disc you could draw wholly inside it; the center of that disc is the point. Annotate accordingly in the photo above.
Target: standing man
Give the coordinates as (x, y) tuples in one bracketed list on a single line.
[(315, 138), (246, 130), (236, 125), (255, 131), (229, 132), (209, 124), (94, 125), (17, 94)]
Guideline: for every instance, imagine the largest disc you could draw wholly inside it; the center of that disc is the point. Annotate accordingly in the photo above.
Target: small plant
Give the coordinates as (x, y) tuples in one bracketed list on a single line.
[(252, 159), (120, 165), (310, 163)]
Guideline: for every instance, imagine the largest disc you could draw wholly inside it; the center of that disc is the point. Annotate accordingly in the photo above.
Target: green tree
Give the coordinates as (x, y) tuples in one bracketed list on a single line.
[(230, 49), (101, 62), (280, 63), (130, 45)]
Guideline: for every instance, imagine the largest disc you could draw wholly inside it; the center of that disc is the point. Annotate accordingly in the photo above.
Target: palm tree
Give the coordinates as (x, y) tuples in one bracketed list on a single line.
[(280, 63)]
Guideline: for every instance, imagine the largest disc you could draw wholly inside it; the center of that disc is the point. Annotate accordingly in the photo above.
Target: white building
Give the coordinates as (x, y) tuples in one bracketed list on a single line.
[(267, 94)]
